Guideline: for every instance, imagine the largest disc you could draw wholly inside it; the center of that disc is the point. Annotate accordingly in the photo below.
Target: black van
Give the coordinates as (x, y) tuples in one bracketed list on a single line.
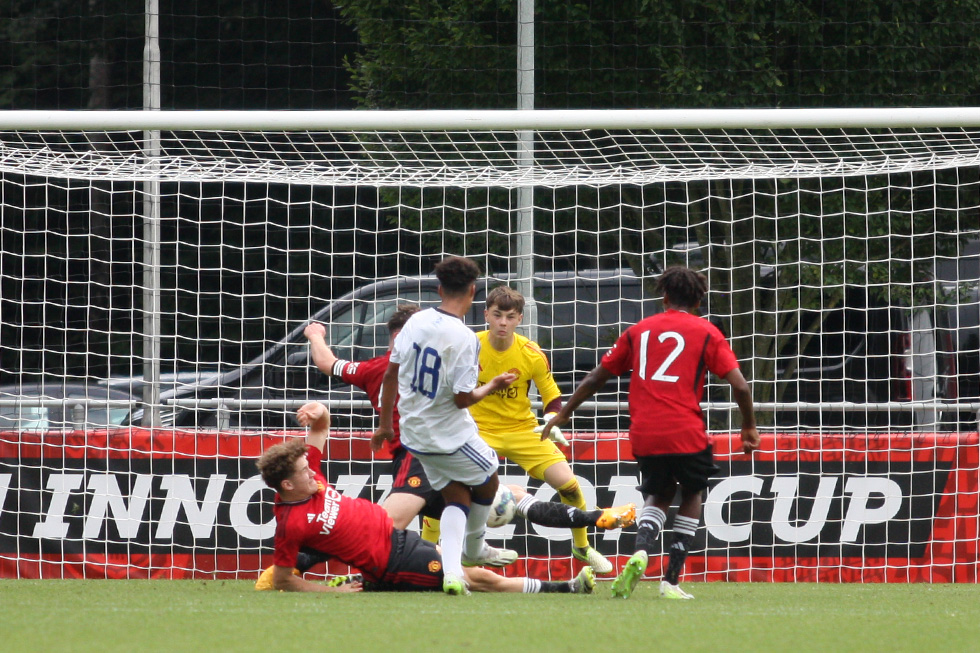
[(577, 316)]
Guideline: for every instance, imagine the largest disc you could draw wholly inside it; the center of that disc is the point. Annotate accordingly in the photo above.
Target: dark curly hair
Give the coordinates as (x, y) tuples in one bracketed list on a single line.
[(278, 462), (456, 274), (684, 287)]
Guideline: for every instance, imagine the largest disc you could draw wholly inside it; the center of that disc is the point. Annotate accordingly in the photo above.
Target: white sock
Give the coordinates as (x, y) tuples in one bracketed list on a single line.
[(524, 505), (453, 528), (532, 586), (685, 525), (476, 529), (651, 517)]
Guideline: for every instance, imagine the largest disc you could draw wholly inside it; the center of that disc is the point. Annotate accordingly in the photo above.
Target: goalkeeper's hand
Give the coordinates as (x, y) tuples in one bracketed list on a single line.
[(555, 435)]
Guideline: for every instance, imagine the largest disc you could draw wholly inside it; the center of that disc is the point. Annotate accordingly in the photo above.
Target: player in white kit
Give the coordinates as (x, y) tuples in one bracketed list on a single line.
[(433, 370)]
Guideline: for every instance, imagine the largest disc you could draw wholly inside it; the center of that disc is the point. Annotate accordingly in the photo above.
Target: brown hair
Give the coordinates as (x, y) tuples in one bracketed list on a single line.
[(684, 287), (401, 315), (278, 462), (506, 299), (456, 274)]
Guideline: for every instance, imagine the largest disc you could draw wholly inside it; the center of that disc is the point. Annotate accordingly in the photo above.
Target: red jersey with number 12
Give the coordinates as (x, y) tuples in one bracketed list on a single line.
[(668, 356), (355, 531)]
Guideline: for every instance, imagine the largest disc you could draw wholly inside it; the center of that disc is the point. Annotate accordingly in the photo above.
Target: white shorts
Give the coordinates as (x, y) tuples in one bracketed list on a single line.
[(472, 464)]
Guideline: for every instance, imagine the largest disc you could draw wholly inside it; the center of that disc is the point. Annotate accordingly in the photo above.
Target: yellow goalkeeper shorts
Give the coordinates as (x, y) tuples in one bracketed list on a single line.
[(527, 449)]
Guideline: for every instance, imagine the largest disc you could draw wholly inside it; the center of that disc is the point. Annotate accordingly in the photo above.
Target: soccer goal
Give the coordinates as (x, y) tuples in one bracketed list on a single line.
[(158, 269)]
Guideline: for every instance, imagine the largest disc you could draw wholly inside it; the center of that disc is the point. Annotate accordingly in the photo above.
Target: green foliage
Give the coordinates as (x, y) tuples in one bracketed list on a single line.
[(215, 54), (661, 53)]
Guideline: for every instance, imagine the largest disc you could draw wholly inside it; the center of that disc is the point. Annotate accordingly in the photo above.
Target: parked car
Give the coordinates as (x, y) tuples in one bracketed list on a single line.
[(54, 404), (576, 317), (168, 380)]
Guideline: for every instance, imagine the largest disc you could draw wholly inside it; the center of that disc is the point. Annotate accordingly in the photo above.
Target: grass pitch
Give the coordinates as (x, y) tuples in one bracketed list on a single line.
[(160, 615)]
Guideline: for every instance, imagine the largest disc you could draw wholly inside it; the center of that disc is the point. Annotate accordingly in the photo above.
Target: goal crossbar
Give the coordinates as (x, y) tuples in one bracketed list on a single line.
[(485, 148), (467, 120)]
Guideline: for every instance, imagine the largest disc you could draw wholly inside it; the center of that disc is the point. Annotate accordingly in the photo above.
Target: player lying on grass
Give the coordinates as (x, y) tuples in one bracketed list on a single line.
[(544, 513), (310, 513)]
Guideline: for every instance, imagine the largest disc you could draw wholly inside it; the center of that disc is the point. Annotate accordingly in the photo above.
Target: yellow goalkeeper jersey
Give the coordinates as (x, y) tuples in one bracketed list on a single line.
[(509, 410)]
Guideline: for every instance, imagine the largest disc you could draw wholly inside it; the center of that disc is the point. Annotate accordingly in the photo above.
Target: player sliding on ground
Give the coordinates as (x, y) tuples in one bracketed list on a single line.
[(310, 513), (505, 418), (668, 356)]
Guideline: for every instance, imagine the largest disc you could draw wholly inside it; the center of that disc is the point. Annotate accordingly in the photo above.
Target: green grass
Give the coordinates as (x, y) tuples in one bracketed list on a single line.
[(158, 615)]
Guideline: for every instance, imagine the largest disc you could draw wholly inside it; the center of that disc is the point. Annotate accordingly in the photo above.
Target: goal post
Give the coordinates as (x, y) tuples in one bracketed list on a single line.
[(840, 245)]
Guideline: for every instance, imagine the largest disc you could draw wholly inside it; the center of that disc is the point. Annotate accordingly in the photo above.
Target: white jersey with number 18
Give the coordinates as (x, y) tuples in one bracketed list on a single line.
[(438, 356)]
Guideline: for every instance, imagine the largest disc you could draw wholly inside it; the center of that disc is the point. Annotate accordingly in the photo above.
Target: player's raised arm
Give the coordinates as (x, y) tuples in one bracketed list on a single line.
[(316, 417), (323, 357), (386, 420)]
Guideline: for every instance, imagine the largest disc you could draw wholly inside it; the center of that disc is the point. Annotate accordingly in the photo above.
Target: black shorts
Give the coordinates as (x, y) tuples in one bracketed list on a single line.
[(408, 477), (691, 471), (413, 566)]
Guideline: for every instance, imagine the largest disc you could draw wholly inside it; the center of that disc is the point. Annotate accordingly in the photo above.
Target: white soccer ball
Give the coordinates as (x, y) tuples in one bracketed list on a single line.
[(502, 509)]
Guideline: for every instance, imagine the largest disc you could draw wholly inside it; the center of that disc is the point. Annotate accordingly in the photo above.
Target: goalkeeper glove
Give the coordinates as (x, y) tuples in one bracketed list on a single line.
[(556, 434)]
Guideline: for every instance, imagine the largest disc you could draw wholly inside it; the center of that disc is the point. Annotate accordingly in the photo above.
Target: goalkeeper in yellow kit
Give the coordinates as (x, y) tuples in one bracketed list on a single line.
[(505, 419)]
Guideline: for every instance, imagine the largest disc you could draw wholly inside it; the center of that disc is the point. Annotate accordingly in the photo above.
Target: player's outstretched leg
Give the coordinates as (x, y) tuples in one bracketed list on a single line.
[(560, 515), (631, 574), (557, 515)]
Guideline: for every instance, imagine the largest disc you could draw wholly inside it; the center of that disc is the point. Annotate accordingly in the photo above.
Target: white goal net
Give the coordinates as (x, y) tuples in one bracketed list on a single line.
[(158, 270)]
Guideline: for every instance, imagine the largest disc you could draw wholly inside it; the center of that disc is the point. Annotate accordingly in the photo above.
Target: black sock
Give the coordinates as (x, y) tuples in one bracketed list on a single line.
[(678, 555), (558, 515), (646, 539), (550, 586)]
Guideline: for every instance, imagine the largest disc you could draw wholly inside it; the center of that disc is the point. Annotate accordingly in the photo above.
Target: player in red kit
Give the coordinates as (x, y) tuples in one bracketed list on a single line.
[(668, 356), (312, 515)]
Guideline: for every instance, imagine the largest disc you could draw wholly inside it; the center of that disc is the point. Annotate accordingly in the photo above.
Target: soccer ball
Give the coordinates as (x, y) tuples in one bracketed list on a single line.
[(502, 509)]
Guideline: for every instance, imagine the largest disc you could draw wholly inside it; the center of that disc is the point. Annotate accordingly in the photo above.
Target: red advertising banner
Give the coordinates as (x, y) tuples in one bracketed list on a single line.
[(806, 507)]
